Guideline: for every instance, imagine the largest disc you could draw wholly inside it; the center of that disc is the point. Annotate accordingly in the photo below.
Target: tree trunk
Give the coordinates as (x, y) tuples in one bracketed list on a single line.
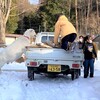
[(87, 16), (2, 29), (2, 33), (5, 6), (97, 15), (76, 15), (69, 8), (88, 13)]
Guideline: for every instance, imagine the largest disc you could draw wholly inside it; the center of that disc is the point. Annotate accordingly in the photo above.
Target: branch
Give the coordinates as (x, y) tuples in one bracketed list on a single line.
[(8, 11), (16, 6), (21, 12)]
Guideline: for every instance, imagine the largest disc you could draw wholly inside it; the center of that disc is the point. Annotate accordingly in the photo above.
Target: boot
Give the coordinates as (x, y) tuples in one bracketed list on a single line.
[(91, 75), (85, 76)]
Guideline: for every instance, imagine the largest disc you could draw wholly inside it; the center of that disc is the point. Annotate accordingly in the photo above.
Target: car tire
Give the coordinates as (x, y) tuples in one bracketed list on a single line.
[(30, 74)]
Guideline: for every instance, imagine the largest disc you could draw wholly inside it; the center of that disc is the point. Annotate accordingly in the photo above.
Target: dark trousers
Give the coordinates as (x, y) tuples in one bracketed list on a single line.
[(88, 64), (68, 38)]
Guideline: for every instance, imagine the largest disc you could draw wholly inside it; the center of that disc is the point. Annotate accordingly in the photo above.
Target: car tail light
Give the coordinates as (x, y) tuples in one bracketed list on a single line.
[(33, 64), (75, 65)]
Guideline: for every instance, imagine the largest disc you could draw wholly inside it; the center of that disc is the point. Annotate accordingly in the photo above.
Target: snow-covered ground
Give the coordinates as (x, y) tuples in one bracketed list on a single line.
[(14, 85)]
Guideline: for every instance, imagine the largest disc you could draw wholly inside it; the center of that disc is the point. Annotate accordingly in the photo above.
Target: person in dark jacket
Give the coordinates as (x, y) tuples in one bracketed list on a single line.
[(81, 41), (90, 54)]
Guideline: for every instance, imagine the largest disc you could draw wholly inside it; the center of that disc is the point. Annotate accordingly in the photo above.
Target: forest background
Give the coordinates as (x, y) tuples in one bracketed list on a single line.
[(18, 15)]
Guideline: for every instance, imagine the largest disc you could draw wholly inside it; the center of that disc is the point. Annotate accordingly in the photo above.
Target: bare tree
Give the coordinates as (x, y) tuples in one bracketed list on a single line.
[(5, 6), (87, 17), (97, 3), (69, 8), (76, 15)]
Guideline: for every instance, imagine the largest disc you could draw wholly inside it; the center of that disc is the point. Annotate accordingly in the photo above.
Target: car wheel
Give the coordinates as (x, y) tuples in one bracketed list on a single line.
[(30, 74)]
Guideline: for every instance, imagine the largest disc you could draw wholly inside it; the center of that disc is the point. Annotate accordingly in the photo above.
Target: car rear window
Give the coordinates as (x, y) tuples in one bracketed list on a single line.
[(47, 39)]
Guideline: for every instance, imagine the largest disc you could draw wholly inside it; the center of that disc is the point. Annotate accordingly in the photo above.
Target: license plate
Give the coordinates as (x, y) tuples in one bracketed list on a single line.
[(54, 68)]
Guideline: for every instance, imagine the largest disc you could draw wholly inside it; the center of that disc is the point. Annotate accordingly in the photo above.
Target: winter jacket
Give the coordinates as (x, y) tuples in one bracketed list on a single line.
[(89, 51), (80, 45), (63, 27)]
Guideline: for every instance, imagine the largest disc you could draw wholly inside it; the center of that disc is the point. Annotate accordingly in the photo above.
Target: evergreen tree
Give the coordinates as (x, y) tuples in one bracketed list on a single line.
[(46, 13), (12, 23)]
